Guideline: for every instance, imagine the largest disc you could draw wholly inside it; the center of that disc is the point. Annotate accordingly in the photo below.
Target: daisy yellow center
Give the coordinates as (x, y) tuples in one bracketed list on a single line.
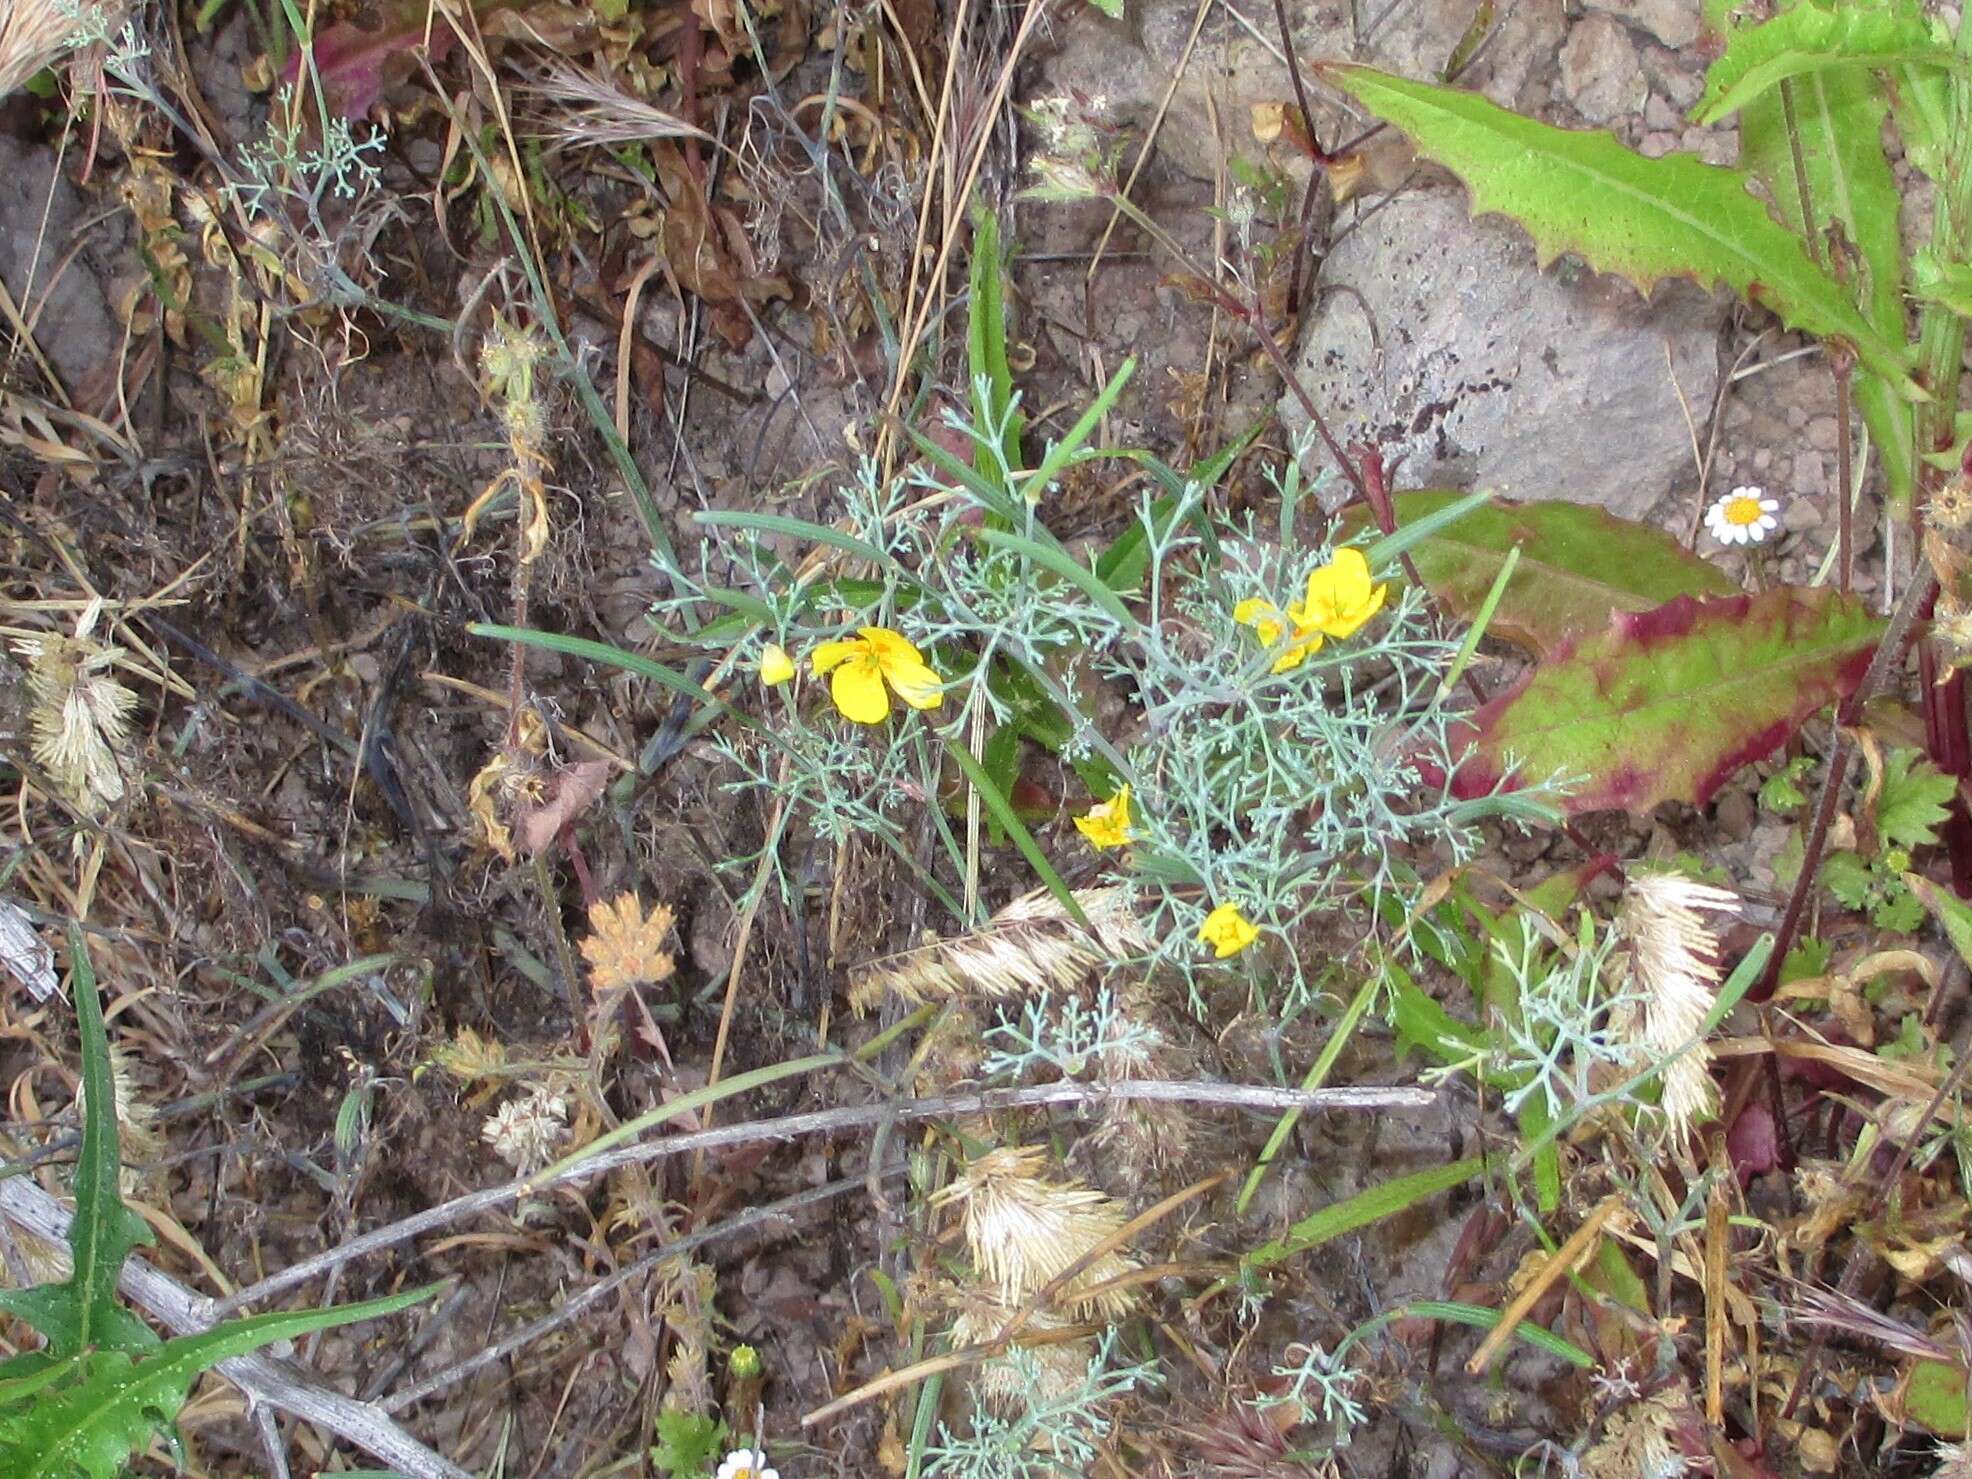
[(1742, 512)]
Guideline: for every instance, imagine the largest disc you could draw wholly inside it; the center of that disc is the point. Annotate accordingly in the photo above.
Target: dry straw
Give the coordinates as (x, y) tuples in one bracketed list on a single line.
[(1029, 947)]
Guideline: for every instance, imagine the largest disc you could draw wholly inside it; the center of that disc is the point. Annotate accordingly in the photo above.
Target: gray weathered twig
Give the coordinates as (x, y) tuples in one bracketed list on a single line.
[(1239, 1096)]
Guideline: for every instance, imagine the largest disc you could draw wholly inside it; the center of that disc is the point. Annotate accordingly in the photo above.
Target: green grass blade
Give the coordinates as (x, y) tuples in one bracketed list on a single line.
[(1061, 563), (1481, 1318), (1370, 1205), (799, 528), (1386, 550), (616, 657), (1345, 1028), (1016, 829), (986, 338), (991, 495), (1035, 485)]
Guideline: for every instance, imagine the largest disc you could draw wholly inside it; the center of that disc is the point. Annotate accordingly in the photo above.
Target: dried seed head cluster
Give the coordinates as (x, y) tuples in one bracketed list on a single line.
[(626, 945), (508, 361), (1024, 1230), (683, 1298), (525, 1132), (32, 34), (1950, 505), (79, 714), (1029, 947), (1059, 1365), (1642, 1441), (1142, 1138), (1674, 969)]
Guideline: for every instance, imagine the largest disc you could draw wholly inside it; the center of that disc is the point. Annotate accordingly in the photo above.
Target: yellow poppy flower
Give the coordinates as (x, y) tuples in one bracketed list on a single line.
[(1107, 823), (865, 663), (1340, 596), (1227, 931), (775, 665), (1269, 625)]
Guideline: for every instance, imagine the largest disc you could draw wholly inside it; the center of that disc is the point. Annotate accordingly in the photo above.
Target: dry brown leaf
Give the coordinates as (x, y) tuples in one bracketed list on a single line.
[(571, 791)]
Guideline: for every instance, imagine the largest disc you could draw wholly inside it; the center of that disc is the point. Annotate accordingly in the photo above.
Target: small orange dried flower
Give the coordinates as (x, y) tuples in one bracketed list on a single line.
[(626, 945)]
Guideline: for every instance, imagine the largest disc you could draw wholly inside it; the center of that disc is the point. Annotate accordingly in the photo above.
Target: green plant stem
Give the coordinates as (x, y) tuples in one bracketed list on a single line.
[(1941, 351), (1317, 1075), (571, 978)]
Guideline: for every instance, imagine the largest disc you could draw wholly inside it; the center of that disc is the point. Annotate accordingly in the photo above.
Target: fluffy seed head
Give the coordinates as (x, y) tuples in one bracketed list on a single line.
[(1059, 1365), (79, 714), (32, 34), (1029, 947), (1674, 967), (1024, 1230)]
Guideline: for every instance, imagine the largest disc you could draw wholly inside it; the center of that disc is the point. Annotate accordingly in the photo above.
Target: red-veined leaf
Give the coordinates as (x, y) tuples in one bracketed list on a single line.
[(1578, 565), (1665, 705)]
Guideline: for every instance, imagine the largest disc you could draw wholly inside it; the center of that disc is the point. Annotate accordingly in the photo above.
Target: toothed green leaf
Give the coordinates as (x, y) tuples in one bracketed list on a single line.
[(1643, 219), (1915, 800), (1842, 42)]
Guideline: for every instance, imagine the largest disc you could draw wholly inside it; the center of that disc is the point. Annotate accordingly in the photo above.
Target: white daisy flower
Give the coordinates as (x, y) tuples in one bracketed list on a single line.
[(747, 1463), (1743, 516)]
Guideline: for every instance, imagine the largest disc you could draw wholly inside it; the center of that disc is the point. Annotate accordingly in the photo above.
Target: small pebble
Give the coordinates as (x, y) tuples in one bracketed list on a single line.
[(1800, 515), (1735, 815), (1660, 117), (1822, 433)]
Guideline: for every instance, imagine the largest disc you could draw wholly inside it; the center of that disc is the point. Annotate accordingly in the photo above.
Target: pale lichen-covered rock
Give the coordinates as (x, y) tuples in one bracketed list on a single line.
[(1486, 371)]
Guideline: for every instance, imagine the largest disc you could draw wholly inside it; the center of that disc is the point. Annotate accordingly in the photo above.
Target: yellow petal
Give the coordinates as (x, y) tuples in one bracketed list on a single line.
[(1375, 602), (1351, 566), (1297, 654), (1262, 616), (1227, 931), (775, 665), (858, 691), (1107, 824), (1340, 598), (888, 646), (915, 682), (831, 654)]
